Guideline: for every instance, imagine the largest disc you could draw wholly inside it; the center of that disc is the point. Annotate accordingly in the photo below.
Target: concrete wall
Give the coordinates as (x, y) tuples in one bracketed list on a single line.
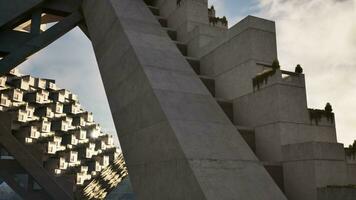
[(231, 58), (191, 22), (274, 102), (278, 112), (186, 17), (309, 166), (276, 171), (351, 174), (336, 193)]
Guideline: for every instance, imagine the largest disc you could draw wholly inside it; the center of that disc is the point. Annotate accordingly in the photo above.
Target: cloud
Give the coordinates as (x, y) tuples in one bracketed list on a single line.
[(320, 35)]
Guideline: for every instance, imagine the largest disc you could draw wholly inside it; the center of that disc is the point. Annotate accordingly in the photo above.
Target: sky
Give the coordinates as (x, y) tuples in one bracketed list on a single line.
[(318, 34)]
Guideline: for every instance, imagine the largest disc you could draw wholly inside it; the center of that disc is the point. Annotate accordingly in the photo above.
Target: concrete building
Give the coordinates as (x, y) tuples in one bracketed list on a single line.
[(202, 111), (45, 141)]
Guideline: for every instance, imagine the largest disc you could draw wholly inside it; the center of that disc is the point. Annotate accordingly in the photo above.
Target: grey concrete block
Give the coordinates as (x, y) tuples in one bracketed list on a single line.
[(214, 141), (190, 107), (146, 145), (313, 151), (171, 180), (242, 178)]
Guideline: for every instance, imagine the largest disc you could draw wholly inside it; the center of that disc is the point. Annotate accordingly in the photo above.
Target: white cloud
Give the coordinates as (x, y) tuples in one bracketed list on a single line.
[(320, 35)]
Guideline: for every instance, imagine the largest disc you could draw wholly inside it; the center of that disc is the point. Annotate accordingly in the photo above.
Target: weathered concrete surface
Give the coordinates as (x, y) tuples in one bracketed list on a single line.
[(336, 193), (231, 58), (351, 173), (177, 141), (312, 165)]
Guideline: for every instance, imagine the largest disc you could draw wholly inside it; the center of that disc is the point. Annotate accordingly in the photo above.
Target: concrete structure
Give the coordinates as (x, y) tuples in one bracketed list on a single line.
[(202, 111), (55, 146)]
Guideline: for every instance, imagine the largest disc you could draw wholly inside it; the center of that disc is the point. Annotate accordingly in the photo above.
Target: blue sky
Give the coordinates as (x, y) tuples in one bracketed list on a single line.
[(307, 34)]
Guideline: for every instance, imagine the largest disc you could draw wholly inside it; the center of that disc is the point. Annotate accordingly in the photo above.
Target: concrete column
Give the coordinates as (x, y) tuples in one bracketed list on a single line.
[(177, 141)]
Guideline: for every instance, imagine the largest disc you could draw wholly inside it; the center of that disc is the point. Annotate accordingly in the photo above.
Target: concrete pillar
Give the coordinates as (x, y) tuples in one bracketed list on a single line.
[(177, 141)]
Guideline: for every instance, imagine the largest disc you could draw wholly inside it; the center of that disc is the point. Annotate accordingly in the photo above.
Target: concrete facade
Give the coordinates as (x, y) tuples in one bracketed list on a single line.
[(284, 127), (59, 153), (202, 111), (297, 146), (177, 141)]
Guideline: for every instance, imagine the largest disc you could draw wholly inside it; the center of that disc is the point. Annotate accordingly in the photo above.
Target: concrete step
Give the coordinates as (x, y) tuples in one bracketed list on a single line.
[(194, 63), (182, 48), (172, 33), (154, 10), (209, 83), (248, 133), (162, 21), (227, 107)]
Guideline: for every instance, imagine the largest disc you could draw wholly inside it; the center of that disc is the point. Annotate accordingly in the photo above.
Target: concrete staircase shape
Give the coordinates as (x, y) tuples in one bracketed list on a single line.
[(177, 141)]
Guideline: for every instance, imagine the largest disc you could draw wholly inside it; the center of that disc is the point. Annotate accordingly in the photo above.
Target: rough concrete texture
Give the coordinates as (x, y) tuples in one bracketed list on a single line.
[(351, 174), (336, 193), (231, 58), (313, 165), (177, 141)]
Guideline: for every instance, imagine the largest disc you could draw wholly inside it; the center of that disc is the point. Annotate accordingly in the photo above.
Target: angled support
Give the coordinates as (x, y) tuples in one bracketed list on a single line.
[(25, 193), (36, 22), (9, 179), (10, 166), (11, 13), (29, 162), (38, 42)]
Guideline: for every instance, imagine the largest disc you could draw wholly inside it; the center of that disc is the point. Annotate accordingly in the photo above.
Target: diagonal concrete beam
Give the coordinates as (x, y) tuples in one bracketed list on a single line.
[(10, 166), (39, 42), (9, 179), (14, 10), (177, 141)]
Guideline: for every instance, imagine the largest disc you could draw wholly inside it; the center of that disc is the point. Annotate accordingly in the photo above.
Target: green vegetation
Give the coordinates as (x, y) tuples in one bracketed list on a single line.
[(263, 78), (215, 20), (275, 65), (149, 2), (317, 115), (298, 69), (328, 108), (351, 150)]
